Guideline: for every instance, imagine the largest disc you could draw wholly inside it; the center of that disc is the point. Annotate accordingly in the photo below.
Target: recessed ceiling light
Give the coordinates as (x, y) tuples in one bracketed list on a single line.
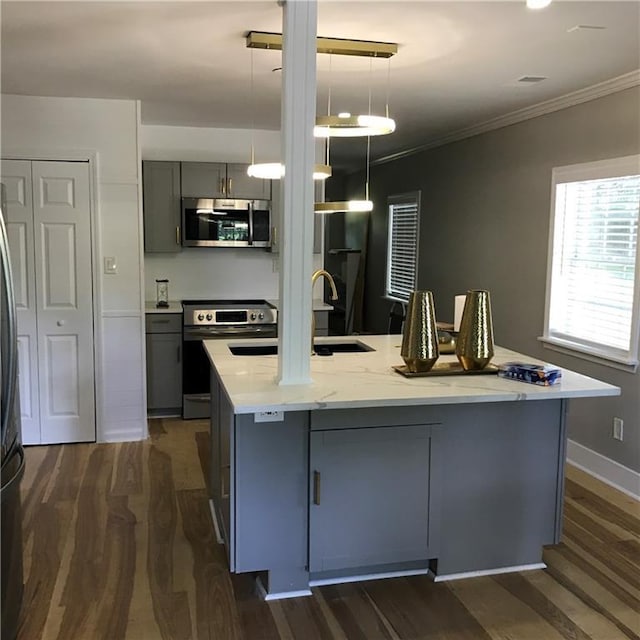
[(586, 27), (531, 79), (538, 4)]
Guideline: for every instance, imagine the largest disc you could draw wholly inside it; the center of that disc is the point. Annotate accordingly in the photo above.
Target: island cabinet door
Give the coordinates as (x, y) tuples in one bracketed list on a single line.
[(369, 497)]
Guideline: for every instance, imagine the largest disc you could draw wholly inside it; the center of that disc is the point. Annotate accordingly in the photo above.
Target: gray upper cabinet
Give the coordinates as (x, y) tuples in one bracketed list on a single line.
[(161, 206), (222, 180)]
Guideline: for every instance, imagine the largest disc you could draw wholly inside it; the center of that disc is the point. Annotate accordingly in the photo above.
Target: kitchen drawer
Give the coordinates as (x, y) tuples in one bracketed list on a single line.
[(163, 323), (332, 419)]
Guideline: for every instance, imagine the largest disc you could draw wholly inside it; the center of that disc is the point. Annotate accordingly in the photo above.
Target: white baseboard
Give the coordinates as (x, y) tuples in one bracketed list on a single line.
[(216, 526), (369, 576), (489, 572), (608, 471), (284, 595)]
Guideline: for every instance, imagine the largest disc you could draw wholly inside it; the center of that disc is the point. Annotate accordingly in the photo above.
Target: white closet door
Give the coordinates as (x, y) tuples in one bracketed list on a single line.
[(16, 176), (64, 301)]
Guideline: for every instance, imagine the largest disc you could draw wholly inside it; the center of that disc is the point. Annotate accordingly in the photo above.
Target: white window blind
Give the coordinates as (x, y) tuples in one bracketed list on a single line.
[(402, 250), (593, 290)]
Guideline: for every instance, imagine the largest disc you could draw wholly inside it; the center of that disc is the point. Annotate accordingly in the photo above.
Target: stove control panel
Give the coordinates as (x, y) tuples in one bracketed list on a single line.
[(229, 316)]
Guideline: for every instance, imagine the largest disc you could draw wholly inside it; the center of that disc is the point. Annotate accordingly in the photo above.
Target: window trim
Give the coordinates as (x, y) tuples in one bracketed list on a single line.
[(409, 197), (601, 354)]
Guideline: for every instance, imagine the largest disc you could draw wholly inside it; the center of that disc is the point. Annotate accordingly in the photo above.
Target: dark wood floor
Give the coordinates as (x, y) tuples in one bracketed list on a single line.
[(119, 545)]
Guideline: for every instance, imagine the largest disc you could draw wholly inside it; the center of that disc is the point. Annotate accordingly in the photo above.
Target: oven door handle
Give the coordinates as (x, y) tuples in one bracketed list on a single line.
[(204, 333)]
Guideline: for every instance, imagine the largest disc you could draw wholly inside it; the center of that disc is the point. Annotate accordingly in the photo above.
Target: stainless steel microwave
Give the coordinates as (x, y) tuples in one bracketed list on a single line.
[(211, 222)]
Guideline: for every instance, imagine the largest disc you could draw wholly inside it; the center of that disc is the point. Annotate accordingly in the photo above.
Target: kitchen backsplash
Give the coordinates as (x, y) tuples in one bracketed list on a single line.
[(215, 273)]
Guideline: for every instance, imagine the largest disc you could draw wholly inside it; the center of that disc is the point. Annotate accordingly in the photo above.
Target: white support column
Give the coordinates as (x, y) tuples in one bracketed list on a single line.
[(297, 225)]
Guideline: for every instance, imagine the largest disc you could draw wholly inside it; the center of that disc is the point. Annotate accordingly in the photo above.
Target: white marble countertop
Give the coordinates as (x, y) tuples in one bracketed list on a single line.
[(318, 304), (358, 380), (175, 306)]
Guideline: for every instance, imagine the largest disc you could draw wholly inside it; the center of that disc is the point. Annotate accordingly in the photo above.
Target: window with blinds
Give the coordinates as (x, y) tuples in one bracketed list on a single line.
[(402, 248), (593, 289)]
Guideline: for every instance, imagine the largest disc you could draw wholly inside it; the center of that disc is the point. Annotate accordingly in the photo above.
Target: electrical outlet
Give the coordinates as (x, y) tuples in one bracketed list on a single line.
[(618, 425), (268, 416)]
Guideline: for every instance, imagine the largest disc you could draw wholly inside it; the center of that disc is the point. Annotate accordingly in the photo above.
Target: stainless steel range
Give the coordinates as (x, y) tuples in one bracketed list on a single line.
[(211, 320)]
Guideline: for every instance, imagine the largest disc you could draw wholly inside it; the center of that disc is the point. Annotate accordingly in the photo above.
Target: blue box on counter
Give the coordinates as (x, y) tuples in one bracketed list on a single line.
[(542, 374)]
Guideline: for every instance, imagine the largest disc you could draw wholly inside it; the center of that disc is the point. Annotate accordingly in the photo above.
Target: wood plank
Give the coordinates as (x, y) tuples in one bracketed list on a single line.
[(171, 609), (605, 554), (209, 570), (118, 544), (584, 482), (628, 517), (356, 613), (518, 586), (595, 593), (418, 607), (127, 480), (598, 626), (503, 615)]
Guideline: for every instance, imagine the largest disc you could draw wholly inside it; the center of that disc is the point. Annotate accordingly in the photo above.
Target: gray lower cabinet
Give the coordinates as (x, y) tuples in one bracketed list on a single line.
[(369, 497), (164, 363), (225, 469), (500, 485), (161, 206)]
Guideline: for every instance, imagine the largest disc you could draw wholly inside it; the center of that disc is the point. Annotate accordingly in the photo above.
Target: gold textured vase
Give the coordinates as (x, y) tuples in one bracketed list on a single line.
[(420, 335), (474, 346)]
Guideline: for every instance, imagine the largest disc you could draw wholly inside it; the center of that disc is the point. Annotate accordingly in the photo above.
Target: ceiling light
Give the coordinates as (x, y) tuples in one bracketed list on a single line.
[(275, 171), (538, 4), (339, 46), (351, 126)]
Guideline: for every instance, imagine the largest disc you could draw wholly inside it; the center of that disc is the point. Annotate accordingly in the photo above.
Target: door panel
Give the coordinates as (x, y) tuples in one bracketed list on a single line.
[(16, 176), (64, 301), (62, 366), (29, 401), (369, 501), (59, 266)]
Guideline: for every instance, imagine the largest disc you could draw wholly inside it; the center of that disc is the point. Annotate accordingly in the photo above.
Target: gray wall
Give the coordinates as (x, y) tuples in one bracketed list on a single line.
[(485, 224)]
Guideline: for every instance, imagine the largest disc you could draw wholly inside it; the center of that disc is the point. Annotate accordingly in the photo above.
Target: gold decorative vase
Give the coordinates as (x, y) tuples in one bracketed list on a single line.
[(474, 346), (420, 335)]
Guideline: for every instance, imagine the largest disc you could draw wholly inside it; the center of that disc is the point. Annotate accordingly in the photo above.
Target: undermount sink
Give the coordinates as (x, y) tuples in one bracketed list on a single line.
[(321, 348)]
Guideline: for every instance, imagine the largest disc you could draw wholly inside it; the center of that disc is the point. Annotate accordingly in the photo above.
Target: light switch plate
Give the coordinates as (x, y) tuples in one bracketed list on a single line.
[(110, 265)]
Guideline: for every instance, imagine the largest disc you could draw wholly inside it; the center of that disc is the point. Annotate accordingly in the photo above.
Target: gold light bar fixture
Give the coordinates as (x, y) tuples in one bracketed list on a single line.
[(337, 46)]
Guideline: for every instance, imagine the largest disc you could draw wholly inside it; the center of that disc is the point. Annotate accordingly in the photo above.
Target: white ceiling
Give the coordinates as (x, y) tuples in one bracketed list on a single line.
[(458, 63)]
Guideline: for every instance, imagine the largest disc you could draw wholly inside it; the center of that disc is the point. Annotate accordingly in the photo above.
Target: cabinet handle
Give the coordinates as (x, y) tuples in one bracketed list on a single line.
[(316, 487), (222, 183), (178, 235), (224, 493), (230, 186)]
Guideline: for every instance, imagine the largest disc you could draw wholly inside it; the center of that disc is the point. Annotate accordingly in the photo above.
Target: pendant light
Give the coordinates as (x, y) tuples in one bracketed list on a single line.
[(343, 125), (274, 170), (349, 206)]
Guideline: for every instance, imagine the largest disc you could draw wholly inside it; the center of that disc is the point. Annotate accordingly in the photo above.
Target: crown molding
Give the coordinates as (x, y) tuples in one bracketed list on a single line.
[(620, 83)]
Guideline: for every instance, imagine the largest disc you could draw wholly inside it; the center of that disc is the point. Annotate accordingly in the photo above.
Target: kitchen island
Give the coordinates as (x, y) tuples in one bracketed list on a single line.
[(367, 473)]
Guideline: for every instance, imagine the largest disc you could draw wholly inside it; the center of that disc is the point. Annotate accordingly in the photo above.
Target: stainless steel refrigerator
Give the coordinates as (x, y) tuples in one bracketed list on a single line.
[(12, 452)]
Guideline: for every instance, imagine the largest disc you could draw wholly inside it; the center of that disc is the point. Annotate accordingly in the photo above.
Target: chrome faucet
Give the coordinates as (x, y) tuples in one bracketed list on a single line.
[(334, 296)]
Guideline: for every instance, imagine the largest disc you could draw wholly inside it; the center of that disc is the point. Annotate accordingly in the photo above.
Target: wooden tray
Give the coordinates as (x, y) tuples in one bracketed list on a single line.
[(444, 369)]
